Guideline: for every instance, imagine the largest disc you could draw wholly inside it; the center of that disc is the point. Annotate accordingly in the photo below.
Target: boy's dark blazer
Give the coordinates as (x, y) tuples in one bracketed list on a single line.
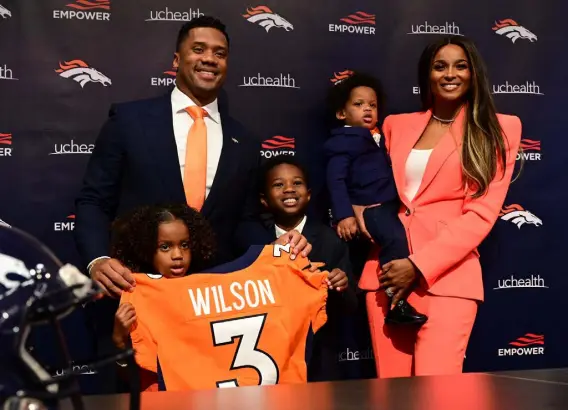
[(329, 249)]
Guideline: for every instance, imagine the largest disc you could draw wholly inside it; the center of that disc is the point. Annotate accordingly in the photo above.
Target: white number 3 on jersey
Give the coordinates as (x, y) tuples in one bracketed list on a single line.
[(248, 330)]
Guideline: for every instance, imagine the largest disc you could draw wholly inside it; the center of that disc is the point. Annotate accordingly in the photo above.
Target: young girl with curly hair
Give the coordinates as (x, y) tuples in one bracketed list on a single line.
[(171, 240)]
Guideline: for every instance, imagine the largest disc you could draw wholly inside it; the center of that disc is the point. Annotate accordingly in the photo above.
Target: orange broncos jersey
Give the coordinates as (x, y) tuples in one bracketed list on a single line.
[(245, 327)]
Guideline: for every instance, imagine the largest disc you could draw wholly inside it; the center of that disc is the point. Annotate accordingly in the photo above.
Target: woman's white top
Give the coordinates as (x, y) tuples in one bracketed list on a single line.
[(415, 167)]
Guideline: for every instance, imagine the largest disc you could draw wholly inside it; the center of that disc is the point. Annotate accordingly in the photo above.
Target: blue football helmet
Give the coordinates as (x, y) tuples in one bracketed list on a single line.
[(37, 289)]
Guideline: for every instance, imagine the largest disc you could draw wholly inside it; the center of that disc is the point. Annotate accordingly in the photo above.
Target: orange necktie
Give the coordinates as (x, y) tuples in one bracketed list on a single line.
[(195, 169)]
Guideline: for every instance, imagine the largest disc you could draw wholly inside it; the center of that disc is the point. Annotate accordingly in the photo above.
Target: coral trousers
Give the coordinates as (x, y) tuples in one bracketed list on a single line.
[(438, 347)]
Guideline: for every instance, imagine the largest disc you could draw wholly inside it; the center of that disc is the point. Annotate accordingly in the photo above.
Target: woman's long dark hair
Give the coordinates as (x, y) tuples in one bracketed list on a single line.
[(484, 145)]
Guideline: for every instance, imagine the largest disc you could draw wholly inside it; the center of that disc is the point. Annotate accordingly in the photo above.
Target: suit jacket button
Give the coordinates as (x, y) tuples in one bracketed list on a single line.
[(407, 212)]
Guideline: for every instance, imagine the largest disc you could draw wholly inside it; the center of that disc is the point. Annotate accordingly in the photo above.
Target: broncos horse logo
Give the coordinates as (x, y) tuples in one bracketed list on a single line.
[(79, 71), (519, 216), (511, 29), (267, 18), (13, 272), (338, 78), (4, 12)]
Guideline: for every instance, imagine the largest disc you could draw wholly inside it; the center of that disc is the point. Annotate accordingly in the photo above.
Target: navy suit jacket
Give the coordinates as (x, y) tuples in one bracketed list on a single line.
[(135, 162), (358, 171), (326, 343)]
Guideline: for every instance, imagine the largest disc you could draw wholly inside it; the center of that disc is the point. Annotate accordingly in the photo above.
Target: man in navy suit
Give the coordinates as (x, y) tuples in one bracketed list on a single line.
[(140, 154), (139, 159)]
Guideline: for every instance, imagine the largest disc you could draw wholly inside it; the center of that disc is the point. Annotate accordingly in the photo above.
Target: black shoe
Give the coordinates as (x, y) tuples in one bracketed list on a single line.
[(404, 314)]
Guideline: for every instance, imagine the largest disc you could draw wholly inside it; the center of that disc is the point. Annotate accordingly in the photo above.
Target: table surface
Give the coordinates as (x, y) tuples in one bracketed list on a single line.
[(515, 390)]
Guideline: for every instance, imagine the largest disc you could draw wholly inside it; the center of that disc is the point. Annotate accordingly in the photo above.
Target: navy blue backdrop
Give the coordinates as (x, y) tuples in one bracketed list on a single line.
[(63, 62)]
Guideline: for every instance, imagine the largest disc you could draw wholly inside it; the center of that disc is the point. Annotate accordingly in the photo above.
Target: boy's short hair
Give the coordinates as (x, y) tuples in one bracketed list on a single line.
[(273, 162), (340, 93)]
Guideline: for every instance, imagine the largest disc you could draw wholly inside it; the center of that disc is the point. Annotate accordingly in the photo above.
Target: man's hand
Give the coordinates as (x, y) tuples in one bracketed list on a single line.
[(113, 277), (298, 243)]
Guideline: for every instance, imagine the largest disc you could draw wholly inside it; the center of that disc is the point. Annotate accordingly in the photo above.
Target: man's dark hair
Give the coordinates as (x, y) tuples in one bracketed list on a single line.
[(273, 162), (203, 21), (339, 94)]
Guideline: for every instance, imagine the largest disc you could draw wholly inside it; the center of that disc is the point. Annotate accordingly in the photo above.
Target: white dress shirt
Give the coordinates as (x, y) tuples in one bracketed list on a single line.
[(182, 123), (299, 227)]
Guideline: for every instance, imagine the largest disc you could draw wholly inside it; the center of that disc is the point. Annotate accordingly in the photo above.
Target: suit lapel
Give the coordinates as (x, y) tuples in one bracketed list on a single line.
[(311, 230), (159, 131), (445, 147), (228, 164), (408, 139), (449, 142)]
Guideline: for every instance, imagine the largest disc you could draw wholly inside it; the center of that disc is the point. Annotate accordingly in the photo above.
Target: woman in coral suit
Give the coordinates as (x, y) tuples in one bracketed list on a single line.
[(453, 163)]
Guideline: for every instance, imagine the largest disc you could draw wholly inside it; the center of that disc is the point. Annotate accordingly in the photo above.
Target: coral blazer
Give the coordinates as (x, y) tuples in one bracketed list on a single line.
[(443, 226)]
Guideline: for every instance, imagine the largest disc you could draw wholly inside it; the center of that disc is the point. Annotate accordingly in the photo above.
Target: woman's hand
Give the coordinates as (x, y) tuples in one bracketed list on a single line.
[(337, 279), (123, 320), (399, 276)]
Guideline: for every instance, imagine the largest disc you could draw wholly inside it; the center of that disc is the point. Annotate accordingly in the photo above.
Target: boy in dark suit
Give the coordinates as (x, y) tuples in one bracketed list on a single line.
[(359, 173), (285, 194)]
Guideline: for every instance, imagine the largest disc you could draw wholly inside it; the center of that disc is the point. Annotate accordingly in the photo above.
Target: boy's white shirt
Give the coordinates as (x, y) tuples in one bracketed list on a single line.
[(299, 227)]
